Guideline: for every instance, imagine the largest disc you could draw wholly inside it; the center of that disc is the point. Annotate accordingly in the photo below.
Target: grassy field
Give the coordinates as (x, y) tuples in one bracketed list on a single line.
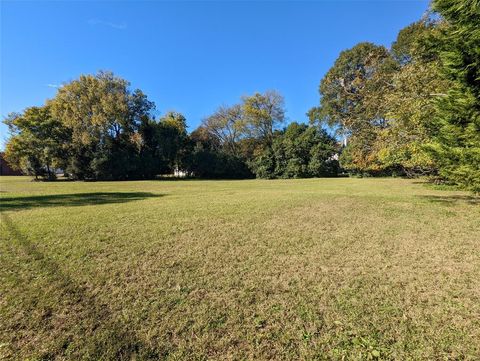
[(195, 270)]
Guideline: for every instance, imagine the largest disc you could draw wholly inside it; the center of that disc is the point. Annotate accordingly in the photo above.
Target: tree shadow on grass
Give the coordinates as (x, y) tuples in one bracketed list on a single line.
[(452, 199), (74, 199), (89, 327)]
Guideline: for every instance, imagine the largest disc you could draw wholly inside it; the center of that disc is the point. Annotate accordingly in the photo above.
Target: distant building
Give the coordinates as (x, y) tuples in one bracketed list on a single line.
[(179, 173), (5, 168)]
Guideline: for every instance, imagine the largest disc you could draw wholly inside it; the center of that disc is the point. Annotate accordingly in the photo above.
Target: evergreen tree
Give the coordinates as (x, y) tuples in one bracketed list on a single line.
[(457, 141)]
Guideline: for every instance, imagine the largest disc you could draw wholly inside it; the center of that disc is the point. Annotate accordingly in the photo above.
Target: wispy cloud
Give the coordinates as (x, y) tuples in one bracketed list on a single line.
[(53, 85), (118, 26)]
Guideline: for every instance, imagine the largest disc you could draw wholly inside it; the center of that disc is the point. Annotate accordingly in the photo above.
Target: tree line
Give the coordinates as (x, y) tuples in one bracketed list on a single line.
[(410, 110), (96, 128)]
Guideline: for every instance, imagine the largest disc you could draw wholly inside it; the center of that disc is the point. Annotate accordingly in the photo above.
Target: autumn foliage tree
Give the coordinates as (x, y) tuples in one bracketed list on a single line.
[(103, 117), (411, 109), (410, 99)]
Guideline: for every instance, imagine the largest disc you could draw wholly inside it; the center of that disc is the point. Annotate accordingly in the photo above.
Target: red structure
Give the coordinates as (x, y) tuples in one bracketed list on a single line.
[(5, 168)]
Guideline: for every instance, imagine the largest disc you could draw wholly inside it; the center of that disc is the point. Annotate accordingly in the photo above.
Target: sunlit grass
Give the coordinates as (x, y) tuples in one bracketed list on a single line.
[(285, 269)]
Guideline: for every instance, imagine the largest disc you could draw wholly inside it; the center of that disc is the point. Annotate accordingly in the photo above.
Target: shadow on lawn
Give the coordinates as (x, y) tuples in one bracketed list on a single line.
[(74, 199), (90, 327), (452, 199)]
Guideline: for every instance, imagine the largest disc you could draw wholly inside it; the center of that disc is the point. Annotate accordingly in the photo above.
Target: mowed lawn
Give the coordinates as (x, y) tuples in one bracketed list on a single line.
[(238, 270)]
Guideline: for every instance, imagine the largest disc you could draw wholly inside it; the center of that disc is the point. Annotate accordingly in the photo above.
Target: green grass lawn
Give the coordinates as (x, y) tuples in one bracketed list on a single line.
[(195, 270)]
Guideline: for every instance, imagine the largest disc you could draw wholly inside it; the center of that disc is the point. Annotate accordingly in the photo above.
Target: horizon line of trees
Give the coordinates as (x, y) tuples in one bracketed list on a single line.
[(96, 128), (410, 110)]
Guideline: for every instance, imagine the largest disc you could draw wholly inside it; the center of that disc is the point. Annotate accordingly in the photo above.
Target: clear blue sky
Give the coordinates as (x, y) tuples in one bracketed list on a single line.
[(188, 56)]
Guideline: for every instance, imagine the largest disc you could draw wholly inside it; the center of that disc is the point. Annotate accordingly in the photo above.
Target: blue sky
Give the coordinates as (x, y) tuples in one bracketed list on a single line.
[(188, 56)]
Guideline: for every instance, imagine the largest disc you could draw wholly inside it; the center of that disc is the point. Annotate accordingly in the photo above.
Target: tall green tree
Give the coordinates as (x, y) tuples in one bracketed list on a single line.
[(410, 100), (37, 141), (209, 158), (172, 133), (346, 85), (352, 101), (299, 151), (456, 146), (103, 116)]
